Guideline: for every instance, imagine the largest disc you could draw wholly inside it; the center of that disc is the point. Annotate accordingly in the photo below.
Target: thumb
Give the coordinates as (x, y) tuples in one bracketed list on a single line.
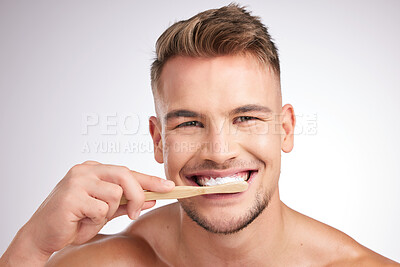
[(123, 210)]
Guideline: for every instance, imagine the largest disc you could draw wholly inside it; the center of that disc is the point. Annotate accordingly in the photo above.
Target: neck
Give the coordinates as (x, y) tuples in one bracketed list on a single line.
[(259, 243)]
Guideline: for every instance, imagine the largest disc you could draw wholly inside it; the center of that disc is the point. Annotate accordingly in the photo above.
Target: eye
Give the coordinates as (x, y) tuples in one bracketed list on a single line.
[(190, 124), (244, 119)]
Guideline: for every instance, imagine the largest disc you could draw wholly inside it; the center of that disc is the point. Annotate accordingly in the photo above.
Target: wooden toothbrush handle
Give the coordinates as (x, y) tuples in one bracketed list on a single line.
[(191, 191)]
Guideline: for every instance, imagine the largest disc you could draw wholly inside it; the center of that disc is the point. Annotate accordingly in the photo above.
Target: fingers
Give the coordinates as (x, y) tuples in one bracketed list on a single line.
[(153, 183), (96, 210), (86, 198), (132, 190), (108, 192), (123, 209), (112, 180), (132, 184), (148, 204)]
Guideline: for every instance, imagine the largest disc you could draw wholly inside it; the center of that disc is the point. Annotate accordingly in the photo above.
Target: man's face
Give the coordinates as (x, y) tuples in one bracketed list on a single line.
[(220, 117)]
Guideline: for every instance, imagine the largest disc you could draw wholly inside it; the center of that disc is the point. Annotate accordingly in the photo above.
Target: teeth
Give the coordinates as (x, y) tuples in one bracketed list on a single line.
[(208, 181)]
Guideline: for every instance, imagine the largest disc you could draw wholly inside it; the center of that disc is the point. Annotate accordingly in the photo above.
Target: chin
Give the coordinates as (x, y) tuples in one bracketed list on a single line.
[(226, 219)]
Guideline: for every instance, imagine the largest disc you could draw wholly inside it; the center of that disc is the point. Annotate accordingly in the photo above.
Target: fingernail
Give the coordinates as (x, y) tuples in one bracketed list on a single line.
[(168, 183)]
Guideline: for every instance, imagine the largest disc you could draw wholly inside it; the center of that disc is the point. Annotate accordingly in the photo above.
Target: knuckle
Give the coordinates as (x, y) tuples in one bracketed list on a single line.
[(114, 199), (140, 198), (96, 219), (102, 210), (125, 170), (117, 193), (119, 190), (77, 169), (98, 183), (124, 174), (136, 203), (73, 181), (124, 167), (155, 179), (90, 162)]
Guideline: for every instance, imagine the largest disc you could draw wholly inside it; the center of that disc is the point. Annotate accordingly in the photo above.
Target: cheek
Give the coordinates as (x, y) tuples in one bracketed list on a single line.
[(266, 148), (177, 151), (269, 151), (264, 145)]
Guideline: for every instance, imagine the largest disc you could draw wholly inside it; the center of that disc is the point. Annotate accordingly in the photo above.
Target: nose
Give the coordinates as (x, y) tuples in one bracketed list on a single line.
[(219, 145)]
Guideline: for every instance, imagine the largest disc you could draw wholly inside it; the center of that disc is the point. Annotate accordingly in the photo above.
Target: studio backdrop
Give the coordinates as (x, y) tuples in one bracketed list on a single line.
[(75, 86)]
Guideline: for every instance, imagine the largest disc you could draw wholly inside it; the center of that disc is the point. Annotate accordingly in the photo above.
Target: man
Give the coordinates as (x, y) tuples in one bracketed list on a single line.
[(216, 86)]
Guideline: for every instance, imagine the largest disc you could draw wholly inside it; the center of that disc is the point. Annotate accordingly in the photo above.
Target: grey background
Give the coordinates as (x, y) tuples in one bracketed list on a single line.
[(63, 60)]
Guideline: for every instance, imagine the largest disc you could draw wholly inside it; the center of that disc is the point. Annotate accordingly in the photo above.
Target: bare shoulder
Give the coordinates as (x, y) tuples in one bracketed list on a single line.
[(365, 258), (106, 250), (135, 246), (327, 246), (160, 228)]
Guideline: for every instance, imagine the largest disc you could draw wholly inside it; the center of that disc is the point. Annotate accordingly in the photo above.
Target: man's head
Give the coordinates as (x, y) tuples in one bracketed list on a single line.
[(219, 111), (230, 30)]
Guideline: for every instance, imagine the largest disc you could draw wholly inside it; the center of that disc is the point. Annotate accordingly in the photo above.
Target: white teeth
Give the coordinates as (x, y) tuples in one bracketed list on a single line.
[(208, 181)]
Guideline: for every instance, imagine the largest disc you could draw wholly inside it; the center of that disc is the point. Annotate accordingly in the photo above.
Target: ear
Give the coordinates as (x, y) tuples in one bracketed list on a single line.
[(155, 131), (288, 123)]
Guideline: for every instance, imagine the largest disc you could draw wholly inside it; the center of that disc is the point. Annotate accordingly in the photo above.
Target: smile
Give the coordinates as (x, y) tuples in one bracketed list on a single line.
[(217, 179)]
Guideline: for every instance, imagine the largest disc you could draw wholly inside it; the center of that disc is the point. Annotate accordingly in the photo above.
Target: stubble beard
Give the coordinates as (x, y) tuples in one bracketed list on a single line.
[(227, 226)]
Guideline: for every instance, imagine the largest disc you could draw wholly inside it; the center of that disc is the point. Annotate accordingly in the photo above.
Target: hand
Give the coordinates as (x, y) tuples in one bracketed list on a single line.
[(86, 199)]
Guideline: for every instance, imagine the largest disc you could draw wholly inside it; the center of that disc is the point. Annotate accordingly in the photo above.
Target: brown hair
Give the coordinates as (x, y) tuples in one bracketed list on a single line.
[(228, 30)]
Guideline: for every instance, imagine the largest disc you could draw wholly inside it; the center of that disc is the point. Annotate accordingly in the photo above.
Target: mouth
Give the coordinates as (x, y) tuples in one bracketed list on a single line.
[(210, 179)]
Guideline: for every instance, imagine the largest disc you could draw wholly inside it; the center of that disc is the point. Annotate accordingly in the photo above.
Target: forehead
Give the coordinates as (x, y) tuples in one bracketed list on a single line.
[(217, 84)]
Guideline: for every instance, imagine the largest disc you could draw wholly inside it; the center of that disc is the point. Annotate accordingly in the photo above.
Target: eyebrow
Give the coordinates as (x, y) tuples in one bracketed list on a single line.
[(182, 113), (250, 108), (192, 114)]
